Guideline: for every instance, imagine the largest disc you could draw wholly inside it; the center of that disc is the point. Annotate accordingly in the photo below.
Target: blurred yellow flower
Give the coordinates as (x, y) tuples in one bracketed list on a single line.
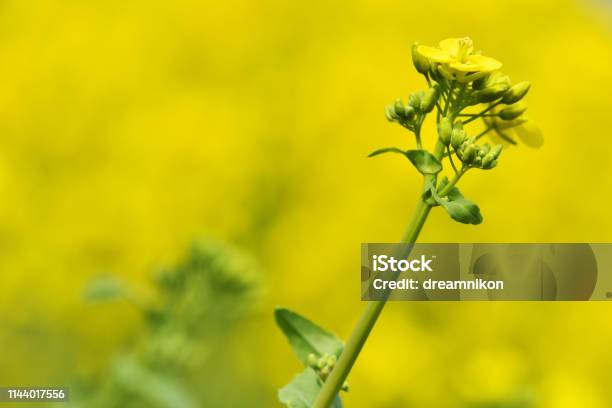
[(528, 132), (458, 59)]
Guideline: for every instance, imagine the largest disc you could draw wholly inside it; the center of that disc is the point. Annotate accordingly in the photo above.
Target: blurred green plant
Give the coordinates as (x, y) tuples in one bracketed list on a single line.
[(459, 79), (197, 303)]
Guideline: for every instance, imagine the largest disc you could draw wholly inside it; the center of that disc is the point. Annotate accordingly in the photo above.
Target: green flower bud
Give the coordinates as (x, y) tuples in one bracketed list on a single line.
[(345, 386), (445, 129), (390, 113), (331, 361), (430, 98), (487, 160), (420, 62), (312, 360), (490, 160), (469, 154), (414, 99), (484, 149), (490, 165), (512, 112), (490, 93), (410, 113), (516, 92), (401, 111), (496, 151), (457, 135), (322, 362), (399, 108), (324, 373), (497, 78)]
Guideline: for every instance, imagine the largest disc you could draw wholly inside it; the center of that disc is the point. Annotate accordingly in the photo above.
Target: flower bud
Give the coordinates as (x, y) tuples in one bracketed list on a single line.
[(414, 99), (469, 154), (487, 160), (312, 360), (497, 78), (457, 135), (390, 113), (409, 115), (484, 149), (496, 151), (512, 112), (430, 98), (324, 373), (398, 106), (445, 129), (321, 363), (490, 93), (403, 112), (420, 62), (516, 93), (489, 166)]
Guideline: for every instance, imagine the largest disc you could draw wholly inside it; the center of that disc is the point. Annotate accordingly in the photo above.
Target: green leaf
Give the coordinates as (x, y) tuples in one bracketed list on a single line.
[(305, 337), (302, 391), (425, 162), (386, 150), (462, 210)]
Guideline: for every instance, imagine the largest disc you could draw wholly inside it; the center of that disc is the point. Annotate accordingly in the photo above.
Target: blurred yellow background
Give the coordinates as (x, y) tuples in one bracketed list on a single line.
[(127, 129)]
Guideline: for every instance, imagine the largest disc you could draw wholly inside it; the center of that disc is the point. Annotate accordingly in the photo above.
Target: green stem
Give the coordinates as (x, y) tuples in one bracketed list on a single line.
[(450, 157), (368, 319), (450, 96), (452, 183), (482, 113), (484, 132), (471, 115)]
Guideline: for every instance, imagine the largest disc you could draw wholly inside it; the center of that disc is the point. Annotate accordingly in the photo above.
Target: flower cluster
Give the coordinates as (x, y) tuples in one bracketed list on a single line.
[(464, 86), (323, 366)]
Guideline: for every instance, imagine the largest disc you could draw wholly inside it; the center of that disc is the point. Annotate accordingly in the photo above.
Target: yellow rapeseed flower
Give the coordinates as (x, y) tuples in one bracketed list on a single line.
[(458, 61)]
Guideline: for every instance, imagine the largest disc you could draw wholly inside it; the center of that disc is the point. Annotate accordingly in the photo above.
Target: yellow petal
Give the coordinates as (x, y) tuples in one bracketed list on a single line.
[(434, 54), (476, 63), (450, 45), (458, 48), (487, 63)]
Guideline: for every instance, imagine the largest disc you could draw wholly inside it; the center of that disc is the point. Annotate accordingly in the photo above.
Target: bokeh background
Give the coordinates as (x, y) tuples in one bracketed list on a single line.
[(129, 129)]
